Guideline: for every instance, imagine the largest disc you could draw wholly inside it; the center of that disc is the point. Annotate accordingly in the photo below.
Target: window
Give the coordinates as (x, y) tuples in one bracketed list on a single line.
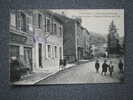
[(28, 56), (55, 51), (40, 54), (53, 55), (39, 20), (45, 24), (13, 19), (49, 51), (60, 53), (14, 51), (60, 29), (55, 28), (23, 22), (48, 25), (52, 26), (30, 23)]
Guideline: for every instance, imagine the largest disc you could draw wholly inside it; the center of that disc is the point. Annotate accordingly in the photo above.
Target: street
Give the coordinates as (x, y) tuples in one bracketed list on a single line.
[(66, 49), (83, 73)]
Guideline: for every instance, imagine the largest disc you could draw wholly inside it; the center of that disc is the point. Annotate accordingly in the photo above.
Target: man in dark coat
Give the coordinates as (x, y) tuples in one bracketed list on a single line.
[(97, 65), (64, 64), (121, 66), (111, 68), (104, 67), (60, 64)]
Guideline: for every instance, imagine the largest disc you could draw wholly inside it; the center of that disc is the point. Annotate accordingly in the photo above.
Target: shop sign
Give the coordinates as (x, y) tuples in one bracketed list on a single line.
[(15, 38)]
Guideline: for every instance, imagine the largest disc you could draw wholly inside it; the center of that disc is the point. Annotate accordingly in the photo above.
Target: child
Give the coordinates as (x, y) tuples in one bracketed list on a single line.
[(97, 65), (111, 68)]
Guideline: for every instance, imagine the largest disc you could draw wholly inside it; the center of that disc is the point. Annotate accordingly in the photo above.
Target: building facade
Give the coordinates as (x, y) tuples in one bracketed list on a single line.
[(73, 38), (20, 39), (36, 41), (48, 41), (86, 43), (69, 38), (80, 37)]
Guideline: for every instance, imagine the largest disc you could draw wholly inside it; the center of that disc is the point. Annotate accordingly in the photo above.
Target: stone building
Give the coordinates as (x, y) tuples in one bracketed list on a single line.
[(48, 41), (86, 43), (73, 38), (20, 38), (80, 37), (36, 40)]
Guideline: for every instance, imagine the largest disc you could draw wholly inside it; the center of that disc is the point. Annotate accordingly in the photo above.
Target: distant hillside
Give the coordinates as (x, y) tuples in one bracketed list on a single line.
[(96, 38)]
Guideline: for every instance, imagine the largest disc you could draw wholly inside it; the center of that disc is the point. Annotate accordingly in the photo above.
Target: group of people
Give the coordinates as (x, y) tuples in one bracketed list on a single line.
[(108, 67)]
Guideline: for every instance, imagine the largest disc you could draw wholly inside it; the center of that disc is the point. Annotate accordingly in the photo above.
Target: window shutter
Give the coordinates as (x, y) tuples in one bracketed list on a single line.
[(27, 23), (34, 19), (45, 28), (18, 20), (52, 25)]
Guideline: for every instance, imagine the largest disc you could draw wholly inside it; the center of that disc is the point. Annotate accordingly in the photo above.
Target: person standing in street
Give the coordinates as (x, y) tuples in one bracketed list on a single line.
[(97, 65), (60, 64), (64, 64), (121, 66), (104, 67), (111, 68)]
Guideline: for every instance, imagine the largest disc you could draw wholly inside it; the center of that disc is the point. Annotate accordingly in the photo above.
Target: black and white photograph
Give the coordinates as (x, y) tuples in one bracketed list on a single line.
[(66, 46)]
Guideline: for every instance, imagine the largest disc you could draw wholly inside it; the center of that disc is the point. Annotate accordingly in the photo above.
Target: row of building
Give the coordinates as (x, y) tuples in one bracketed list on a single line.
[(40, 38)]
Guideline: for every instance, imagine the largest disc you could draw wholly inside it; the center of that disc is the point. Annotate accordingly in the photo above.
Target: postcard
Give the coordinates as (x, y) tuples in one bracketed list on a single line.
[(66, 46)]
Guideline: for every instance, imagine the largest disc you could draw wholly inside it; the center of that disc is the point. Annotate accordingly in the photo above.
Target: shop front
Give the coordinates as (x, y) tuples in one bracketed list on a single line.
[(20, 56)]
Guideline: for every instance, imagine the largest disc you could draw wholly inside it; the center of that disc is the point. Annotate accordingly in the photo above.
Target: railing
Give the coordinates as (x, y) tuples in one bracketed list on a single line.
[(19, 31)]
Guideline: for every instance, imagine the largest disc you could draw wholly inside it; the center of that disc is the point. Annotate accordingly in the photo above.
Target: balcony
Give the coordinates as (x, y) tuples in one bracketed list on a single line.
[(19, 31)]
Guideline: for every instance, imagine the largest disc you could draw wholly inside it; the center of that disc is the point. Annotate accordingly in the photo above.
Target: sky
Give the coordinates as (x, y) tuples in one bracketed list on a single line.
[(97, 20)]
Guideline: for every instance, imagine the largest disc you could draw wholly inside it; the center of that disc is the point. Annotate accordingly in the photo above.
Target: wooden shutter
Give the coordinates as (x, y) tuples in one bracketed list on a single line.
[(27, 23), (18, 20)]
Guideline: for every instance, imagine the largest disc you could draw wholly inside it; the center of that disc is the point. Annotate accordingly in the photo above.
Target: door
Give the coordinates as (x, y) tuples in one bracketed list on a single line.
[(60, 53), (40, 55), (28, 57)]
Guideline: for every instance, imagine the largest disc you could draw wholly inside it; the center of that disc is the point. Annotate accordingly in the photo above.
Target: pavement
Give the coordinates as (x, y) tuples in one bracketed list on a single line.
[(35, 77), (83, 73)]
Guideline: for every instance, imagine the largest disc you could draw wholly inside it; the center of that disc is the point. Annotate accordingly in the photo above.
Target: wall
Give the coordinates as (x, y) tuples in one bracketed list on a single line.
[(21, 39), (69, 48), (49, 61)]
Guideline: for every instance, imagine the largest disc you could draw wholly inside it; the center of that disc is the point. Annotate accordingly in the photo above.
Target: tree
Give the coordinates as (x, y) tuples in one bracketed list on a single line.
[(113, 40)]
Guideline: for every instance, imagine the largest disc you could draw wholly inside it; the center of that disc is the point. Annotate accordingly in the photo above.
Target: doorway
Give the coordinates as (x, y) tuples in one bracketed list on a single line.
[(28, 57), (40, 55)]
